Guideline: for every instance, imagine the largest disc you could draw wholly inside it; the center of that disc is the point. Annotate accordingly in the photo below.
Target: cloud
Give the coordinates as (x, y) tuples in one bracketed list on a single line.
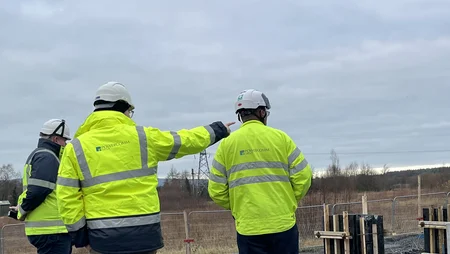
[(349, 75)]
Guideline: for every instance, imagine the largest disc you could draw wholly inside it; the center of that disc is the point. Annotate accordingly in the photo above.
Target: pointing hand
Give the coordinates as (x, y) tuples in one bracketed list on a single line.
[(228, 126)]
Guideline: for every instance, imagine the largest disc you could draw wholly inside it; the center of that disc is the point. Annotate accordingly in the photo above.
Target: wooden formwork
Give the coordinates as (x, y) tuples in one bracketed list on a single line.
[(436, 224), (352, 233)]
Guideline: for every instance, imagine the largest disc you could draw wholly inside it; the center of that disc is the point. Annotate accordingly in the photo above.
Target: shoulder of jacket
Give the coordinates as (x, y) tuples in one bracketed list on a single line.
[(44, 156), (235, 134), (278, 131)]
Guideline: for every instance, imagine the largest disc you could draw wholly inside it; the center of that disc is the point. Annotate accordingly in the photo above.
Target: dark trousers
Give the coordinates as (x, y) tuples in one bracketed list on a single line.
[(284, 243), (52, 244)]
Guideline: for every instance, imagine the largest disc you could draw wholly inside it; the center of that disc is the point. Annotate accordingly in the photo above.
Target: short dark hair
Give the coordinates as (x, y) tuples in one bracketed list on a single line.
[(249, 114), (120, 106)]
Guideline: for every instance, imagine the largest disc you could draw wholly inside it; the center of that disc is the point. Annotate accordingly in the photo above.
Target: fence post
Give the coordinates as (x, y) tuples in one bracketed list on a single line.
[(332, 209), (394, 201), (448, 236), (186, 230), (365, 209), (419, 198), (1, 240)]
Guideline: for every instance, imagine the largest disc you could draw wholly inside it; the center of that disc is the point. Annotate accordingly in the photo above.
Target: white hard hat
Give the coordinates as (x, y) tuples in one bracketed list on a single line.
[(112, 92), (251, 99), (56, 127)]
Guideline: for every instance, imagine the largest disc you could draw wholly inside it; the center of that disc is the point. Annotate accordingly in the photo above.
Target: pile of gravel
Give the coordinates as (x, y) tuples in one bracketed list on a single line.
[(404, 244)]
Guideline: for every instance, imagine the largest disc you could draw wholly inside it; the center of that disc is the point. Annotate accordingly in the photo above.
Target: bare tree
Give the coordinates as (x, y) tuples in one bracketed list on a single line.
[(366, 180), (185, 174), (385, 169), (186, 185), (9, 179), (7, 173), (172, 174), (334, 169), (334, 176), (351, 169), (366, 169)]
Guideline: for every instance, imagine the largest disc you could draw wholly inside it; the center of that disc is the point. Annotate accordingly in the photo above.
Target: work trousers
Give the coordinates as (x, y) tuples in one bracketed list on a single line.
[(286, 242), (52, 244)]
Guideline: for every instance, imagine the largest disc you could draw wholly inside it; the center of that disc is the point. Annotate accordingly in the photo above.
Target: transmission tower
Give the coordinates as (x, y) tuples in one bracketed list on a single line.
[(203, 173)]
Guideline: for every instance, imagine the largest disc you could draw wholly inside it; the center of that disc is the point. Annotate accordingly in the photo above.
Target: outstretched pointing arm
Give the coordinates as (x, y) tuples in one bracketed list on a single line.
[(170, 144)]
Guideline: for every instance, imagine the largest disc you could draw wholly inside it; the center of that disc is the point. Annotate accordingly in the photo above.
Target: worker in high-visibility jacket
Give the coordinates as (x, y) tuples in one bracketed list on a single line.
[(37, 204), (260, 174), (107, 181)]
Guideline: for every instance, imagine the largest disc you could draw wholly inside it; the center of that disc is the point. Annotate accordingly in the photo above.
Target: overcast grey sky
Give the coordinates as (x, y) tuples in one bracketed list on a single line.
[(357, 76)]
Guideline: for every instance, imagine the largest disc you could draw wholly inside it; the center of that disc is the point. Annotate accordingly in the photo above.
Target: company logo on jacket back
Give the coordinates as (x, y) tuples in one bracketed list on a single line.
[(252, 151), (110, 146)]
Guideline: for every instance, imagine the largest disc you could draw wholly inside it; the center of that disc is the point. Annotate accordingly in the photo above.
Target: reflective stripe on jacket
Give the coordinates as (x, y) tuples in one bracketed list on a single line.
[(260, 174), (107, 180), (37, 203)]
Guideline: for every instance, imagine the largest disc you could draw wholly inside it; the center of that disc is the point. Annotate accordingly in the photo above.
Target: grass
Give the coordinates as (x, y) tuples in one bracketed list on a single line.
[(213, 231)]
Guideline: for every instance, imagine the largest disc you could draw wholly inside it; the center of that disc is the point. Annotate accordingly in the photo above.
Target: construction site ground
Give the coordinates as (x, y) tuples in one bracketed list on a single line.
[(400, 244), (16, 242)]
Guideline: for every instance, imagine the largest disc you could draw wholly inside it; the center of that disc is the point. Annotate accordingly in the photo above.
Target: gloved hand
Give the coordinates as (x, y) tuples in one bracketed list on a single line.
[(12, 214)]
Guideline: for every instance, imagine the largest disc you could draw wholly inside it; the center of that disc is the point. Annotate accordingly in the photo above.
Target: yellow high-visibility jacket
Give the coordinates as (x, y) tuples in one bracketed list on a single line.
[(107, 181), (37, 204), (260, 174)]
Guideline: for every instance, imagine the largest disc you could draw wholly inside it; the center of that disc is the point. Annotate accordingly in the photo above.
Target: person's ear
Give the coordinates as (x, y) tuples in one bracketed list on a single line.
[(262, 113)]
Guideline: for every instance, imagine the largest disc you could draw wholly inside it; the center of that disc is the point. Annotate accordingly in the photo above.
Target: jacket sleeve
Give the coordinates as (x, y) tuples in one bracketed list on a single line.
[(70, 200), (168, 145), (41, 182), (300, 172), (218, 183)]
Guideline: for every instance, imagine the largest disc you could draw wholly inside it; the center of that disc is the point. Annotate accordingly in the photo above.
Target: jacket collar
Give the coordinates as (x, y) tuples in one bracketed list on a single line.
[(103, 119), (50, 145), (251, 122)]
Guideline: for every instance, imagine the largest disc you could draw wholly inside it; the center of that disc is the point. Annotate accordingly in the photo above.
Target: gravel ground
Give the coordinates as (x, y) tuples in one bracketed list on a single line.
[(402, 244)]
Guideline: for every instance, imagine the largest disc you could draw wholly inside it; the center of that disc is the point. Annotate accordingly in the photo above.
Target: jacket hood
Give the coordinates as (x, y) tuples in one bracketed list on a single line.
[(103, 119)]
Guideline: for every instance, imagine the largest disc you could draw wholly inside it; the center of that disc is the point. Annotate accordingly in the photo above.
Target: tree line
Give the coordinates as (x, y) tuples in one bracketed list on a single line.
[(335, 184)]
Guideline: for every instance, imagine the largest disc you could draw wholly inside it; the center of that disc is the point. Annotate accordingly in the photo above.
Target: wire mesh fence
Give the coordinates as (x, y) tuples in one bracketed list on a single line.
[(13, 240), (214, 231), (173, 230), (309, 219), (405, 213)]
